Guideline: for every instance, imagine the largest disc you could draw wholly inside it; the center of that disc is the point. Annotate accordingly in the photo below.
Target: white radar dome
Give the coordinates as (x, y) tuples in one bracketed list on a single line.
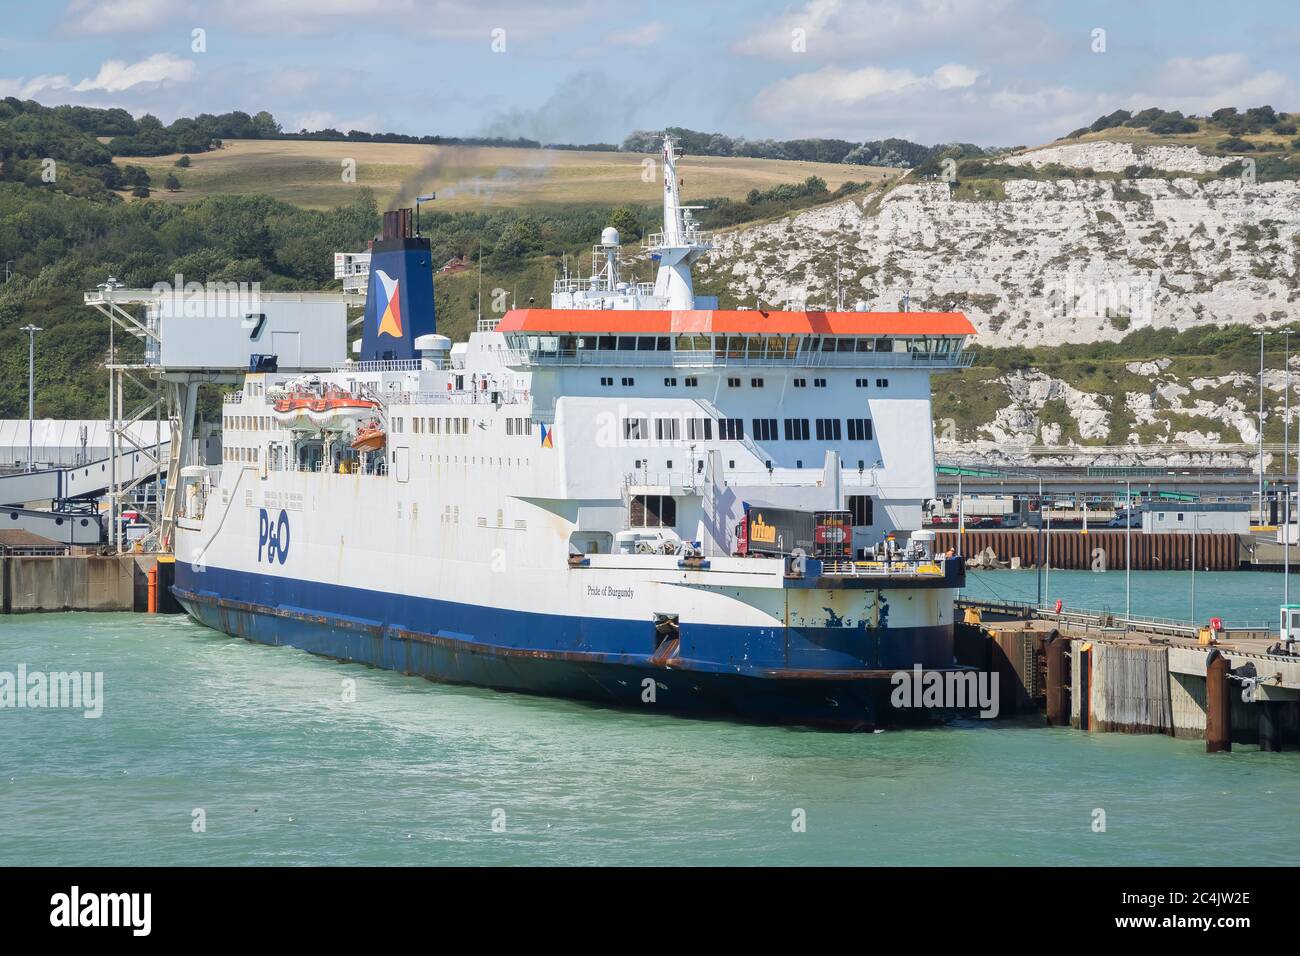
[(609, 236)]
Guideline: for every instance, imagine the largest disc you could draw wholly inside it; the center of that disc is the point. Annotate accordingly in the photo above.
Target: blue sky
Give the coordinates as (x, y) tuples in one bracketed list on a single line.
[(994, 72)]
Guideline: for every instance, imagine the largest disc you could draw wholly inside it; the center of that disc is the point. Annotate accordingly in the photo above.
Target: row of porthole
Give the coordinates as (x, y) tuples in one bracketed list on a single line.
[(58, 521)]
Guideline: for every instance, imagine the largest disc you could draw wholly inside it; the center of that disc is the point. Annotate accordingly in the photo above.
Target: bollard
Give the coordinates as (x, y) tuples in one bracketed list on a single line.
[(1218, 704), (153, 589), (1058, 690)]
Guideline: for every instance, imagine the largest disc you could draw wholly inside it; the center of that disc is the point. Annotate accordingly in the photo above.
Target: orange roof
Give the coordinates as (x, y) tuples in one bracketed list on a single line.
[(751, 322)]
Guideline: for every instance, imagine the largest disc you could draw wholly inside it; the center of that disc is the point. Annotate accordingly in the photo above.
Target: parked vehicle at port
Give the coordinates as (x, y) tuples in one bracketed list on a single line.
[(1129, 519), (825, 535)]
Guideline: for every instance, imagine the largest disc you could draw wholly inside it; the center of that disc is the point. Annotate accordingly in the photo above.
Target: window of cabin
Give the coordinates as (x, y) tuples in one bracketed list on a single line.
[(653, 511), (859, 507), (667, 429)]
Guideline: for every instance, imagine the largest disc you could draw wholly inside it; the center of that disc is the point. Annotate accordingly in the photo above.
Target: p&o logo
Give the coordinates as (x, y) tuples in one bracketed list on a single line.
[(273, 537)]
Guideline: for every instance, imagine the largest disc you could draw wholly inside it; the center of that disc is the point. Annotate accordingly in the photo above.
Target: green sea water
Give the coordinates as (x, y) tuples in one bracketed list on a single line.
[(285, 770)]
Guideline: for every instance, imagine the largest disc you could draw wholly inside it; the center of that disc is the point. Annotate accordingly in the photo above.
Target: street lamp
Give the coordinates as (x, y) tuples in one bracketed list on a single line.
[(1128, 549), (1196, 527), (31, 331)]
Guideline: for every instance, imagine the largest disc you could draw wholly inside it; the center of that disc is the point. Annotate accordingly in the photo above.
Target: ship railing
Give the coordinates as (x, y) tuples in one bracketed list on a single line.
[(396, 365), (685, 481), (1090, 621), (899, 566), (496, 396), (714, 359)]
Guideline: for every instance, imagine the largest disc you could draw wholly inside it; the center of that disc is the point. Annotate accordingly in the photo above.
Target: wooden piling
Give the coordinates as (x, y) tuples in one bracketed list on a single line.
[(1218, 704), (1085, 686), (1058, 689)]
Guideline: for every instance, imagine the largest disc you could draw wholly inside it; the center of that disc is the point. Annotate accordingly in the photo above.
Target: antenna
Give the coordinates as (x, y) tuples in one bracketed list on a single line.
[(480, 282)]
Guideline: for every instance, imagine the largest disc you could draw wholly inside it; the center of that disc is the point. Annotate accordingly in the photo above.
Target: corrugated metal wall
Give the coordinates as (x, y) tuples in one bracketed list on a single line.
[(1075, 550)]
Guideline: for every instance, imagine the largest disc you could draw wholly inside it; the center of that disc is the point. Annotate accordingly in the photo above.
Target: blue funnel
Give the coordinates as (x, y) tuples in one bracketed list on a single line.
[(399, 301)]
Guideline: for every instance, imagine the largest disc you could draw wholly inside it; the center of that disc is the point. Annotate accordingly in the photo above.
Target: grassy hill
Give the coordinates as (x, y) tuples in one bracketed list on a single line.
[(309, 174)]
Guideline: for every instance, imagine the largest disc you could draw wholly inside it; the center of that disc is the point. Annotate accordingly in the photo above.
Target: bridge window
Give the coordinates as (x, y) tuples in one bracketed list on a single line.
[(731, 429), (628, 381), (828, 429), (606, 343), (692, 382), (733, 383), (667, 429), (755, 383), (670, 382), (606, 380), (796, 429), (801, 383), (859, 429), (636, 429), (882, 383), (866, 345), (819, 383), (765, 429), (699, 429)]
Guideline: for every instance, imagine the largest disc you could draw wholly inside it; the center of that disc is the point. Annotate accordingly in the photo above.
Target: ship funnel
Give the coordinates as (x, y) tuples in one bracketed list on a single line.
[(399, 300)]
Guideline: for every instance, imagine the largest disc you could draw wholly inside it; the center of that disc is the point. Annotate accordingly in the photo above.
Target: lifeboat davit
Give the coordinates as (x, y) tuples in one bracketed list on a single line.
[(369, 438), (332, 411)]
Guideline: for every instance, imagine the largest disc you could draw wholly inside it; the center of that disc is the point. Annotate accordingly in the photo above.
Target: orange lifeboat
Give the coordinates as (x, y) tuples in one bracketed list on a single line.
[(332, 410), (369, 438)]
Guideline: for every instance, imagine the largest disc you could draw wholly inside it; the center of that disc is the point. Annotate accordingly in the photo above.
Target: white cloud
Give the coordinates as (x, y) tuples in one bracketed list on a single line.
[(1001, 30), (118, 75), (647, 34), (26, 89), (114, 76), (1203, 84), (833, 85), (321, 119), (439, 18), (97, 17)]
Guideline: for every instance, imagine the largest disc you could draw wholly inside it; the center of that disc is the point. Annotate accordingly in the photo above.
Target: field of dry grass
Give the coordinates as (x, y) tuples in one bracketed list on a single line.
[(309, 174)]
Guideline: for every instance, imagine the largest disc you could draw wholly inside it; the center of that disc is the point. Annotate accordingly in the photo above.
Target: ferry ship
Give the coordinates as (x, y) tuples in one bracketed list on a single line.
[(571, 502)]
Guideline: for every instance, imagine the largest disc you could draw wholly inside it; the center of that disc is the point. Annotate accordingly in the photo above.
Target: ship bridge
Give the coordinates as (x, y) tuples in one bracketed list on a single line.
[(714, 337)]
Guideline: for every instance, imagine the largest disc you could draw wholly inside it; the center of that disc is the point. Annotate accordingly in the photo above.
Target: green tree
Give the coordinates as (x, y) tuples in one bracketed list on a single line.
[(624, 220), (172, 183)]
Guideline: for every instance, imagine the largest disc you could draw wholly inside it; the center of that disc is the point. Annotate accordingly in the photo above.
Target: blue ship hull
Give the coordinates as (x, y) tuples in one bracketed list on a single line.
[(600, 660)]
